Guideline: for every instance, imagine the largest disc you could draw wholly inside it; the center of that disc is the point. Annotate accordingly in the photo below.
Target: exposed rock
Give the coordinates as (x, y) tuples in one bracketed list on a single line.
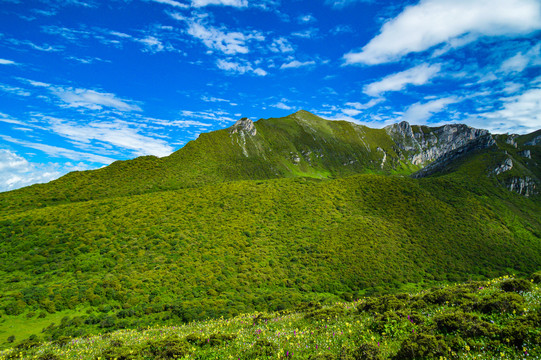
[(423, 145), (522, 185), (526, 154), (245, 125), (447, 158), (535, 141), (511, 140), (503, 167)]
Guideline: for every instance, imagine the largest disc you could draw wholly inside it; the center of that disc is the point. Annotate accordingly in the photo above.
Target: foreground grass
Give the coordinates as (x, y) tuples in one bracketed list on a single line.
[(497, 319)]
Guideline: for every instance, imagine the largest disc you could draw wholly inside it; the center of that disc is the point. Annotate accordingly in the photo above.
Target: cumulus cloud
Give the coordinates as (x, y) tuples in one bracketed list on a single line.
[(418, 75), (450, 22), (297, 64), (419, 113), (281, 45), (239, 68)]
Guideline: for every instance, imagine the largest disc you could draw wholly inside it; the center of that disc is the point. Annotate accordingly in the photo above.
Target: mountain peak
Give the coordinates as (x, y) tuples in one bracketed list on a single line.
[(245, 125)]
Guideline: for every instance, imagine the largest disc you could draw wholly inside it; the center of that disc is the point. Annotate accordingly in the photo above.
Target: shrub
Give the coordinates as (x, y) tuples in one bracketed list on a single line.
[(466, 323), (422, 346), (169, 348), (261, 348), (506, 302), (516, 285), (11, 338), (536, 277), (367, 351)]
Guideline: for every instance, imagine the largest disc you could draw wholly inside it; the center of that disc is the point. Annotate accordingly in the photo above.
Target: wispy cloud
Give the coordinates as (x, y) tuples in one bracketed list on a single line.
[(305, 19), (117, 133), (451, 22), (281, 45), (172, 3), (418, 75), (229, 43), (235, 67), (59, 152), (339, 4), (520, 61), (419, 113), (7, 62), (297, 64), (234, 3), (90, 99)]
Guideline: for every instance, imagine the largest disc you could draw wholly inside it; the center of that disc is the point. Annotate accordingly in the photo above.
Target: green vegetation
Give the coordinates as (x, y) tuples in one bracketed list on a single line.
[(439, 323), (223, 250), (307, 212)]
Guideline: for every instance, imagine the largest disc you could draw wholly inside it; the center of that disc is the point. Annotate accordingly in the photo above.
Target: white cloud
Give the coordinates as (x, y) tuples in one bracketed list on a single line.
[(7, 62), (236, 67), (305, 19), (151, 44), (367, 105), (419, 113), (433, 22), (90, 99), (519, 114), (234, 3), (14, 90), (519, 62), (282, 105), (172, 3), (227, 42), (116, 133), (281, 45), (59, 152), (343, 3), (418, 75), (16, 171), (297, 64)]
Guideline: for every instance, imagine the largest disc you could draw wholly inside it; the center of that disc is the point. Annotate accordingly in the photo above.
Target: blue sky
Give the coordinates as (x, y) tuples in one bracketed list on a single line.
[(86, 82)]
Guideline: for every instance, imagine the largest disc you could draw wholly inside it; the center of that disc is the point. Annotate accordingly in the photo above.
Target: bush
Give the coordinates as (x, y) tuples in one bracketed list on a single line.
[(169, 348), (367, 351), (536, 277), (466, 323), (516, 285), (11, 338), (422, 346), (261, 348), (497, 303)]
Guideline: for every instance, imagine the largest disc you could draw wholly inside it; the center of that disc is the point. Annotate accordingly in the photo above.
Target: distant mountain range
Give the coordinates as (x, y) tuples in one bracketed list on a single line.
[(263, 216)]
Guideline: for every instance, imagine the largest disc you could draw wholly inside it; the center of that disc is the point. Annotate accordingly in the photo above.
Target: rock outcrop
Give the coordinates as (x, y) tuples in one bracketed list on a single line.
[(244, 125), (503, 167), (422, 145), (522, 185), (447, 158)]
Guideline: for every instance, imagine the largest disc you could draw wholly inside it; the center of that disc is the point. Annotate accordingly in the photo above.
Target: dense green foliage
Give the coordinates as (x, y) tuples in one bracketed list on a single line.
[(439, 323), (306, 210), (222, 250)]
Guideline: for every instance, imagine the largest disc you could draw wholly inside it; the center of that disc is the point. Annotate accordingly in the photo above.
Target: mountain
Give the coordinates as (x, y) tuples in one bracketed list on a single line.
[(299, 145), (264, 216)]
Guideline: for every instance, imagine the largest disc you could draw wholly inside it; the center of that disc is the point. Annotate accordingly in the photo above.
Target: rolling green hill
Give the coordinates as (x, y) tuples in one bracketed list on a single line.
[(265, 216)]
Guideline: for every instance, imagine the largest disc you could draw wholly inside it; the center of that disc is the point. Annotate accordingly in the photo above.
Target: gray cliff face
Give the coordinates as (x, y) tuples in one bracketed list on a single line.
[(422, 145), (244, 125), (535, 141), (522, 185), (449, 157)]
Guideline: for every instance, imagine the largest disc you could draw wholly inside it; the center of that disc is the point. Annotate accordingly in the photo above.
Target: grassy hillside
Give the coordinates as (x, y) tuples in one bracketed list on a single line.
[(222, 250), (301, 144), (497, 319)]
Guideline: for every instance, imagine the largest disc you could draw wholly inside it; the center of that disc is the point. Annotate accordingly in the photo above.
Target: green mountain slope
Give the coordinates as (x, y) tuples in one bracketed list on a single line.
[(225, 249), (264, 216)]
